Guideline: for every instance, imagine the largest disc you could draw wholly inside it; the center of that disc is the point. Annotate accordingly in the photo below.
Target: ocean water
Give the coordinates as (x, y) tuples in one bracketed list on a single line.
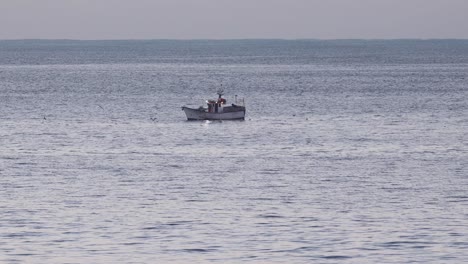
[(351, 152)]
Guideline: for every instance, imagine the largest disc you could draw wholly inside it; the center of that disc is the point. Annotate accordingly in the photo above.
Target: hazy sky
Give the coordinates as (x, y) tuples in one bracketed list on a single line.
[(221, 19)]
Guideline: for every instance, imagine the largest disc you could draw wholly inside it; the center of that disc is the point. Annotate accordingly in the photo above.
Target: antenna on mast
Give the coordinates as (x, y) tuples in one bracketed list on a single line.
[(220, 91)]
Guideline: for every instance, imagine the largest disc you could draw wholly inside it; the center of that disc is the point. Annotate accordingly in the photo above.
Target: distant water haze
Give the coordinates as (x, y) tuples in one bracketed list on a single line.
[(229, 19)]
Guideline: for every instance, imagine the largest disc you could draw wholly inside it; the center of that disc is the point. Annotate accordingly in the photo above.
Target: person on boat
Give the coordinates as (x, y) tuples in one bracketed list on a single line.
[(221, 100)]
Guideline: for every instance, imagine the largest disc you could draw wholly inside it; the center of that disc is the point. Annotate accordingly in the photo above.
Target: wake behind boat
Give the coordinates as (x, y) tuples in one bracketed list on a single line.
[(217, 110)]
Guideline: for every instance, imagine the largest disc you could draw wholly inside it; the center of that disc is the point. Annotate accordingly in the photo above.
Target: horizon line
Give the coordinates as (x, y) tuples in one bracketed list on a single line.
[(232, 39)]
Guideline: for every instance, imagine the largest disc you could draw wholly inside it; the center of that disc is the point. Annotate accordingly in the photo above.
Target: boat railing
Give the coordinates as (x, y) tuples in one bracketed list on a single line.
[(240, 102)]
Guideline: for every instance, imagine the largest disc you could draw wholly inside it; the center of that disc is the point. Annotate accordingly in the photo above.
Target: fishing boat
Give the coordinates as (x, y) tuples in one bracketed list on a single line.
[(217, 110)]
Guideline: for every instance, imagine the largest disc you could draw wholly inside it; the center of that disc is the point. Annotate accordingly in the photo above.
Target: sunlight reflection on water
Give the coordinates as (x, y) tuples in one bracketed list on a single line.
[(354, 163)]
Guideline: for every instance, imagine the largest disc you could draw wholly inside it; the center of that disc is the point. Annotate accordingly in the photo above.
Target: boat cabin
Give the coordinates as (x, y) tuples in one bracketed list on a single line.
[(216, 106)]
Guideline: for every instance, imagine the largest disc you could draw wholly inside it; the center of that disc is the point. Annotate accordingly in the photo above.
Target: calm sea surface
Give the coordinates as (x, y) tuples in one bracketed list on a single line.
[(351, 152)]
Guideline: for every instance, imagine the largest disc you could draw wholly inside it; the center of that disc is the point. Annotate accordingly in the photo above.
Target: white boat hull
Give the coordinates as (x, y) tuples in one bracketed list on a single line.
[(202, 114)]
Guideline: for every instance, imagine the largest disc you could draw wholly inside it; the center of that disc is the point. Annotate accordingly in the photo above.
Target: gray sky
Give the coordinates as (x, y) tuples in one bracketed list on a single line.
[(221, 19)]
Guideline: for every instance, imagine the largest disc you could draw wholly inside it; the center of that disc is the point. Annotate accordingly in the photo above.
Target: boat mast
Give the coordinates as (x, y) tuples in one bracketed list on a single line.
[(220, 91)]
